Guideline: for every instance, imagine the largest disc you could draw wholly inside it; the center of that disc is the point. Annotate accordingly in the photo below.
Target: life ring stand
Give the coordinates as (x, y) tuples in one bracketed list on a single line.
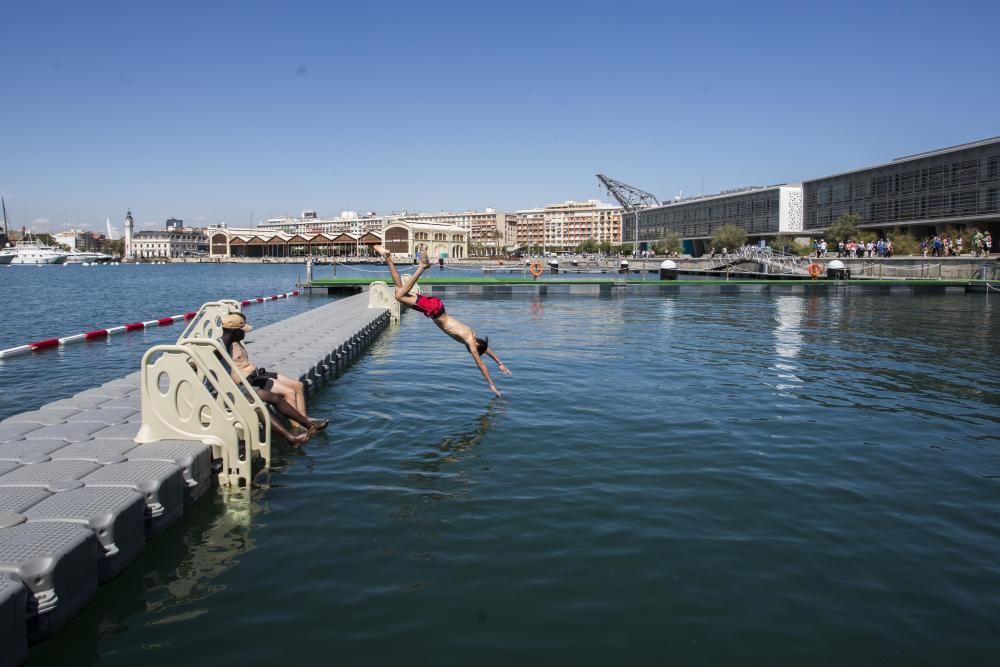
[(536, 268), (815, 270)]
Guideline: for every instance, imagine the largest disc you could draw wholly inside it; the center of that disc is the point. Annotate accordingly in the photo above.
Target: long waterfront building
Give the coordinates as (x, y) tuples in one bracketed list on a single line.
[(238, 243), (924, 193), (762, 211), (400, 237), (490, 232), (348, 222)]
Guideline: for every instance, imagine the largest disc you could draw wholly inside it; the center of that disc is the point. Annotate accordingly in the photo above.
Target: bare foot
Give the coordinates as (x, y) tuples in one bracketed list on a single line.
[(382, 252), (424, 259), (319, 424), (299, 440)]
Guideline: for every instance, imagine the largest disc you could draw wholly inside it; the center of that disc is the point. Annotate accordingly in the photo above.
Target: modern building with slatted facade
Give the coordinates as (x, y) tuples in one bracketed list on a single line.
[(763, 212), (922, 193)]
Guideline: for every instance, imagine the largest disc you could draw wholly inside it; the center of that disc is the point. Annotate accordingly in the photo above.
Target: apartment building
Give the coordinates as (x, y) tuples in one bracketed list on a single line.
[(564, 226)]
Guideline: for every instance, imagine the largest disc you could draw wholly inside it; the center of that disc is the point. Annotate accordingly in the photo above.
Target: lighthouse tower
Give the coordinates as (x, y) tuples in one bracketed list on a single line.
[(128, 235)]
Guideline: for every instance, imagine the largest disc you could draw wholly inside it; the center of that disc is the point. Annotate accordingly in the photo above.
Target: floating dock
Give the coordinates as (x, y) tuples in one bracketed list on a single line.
[(79, 498), (551, 285)]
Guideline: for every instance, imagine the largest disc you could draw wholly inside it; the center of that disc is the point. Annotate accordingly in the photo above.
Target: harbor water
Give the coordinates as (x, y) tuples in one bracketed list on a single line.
[(695, 479)]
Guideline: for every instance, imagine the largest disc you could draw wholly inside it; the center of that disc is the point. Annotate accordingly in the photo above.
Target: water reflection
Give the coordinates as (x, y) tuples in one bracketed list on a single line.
[(175, 572), (788, 333), (667, 307), (428, 471), (788, 311)]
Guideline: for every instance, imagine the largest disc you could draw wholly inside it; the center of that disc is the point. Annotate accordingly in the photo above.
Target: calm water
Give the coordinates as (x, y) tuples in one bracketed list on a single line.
[(57, 301), (694, 480)]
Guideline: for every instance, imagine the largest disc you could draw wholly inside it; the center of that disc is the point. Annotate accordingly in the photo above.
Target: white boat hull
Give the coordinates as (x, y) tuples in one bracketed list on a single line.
[(42, 259)]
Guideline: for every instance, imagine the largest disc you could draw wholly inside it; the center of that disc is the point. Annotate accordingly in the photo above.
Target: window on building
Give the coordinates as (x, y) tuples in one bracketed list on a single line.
[(992, 204)]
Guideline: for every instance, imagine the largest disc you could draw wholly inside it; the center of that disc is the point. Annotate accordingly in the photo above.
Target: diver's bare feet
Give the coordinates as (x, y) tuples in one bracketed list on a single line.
[(381, 251), (425, 260), (300, 439)]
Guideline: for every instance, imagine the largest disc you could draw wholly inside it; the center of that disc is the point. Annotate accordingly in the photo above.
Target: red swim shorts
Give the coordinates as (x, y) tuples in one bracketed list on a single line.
[(430, 306)]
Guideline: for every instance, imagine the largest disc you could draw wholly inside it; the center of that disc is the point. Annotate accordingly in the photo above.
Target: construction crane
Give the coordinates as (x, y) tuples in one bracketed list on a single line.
[(631, 198)]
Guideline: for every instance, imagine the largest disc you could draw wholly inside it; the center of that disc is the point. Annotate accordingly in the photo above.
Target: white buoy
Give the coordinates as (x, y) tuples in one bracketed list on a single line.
[(668, 264), (836, 270)]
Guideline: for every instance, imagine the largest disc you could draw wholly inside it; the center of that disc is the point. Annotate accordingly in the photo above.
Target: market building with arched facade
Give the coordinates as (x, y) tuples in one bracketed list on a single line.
[(226, 243), (441, 241)]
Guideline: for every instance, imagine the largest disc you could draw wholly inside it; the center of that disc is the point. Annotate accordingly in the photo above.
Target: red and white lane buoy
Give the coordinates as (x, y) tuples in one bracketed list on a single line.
[(132, 326)]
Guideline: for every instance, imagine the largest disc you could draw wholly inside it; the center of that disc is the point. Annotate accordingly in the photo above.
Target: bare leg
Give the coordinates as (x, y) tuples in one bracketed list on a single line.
[(284, 407), (387, 256), (293, 391), (403, 291), (408, 285)]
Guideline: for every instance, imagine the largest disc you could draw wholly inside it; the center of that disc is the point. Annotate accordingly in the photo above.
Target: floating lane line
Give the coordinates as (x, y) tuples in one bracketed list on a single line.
[(131, 326)]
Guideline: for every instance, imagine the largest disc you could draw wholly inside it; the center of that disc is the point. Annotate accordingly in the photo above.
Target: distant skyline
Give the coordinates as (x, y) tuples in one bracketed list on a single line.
[(213, 112)]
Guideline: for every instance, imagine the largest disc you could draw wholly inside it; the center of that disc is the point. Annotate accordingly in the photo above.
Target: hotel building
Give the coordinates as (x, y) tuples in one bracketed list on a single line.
[(562, 227)]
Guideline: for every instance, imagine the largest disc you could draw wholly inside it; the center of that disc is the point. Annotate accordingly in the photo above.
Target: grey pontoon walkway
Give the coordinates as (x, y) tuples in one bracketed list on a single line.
[(79, 498)]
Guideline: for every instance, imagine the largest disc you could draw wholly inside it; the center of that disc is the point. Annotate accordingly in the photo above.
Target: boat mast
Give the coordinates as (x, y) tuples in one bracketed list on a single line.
[(5, 237)]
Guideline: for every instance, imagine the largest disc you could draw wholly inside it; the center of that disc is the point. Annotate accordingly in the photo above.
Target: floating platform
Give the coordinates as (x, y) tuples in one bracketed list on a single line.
[(79, 498), (599, 286)]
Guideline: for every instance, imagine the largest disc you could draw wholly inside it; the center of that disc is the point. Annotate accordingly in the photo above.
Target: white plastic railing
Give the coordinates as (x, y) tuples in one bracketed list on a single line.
[(416, 286), (187, 394), (208, 322), (380, 295)]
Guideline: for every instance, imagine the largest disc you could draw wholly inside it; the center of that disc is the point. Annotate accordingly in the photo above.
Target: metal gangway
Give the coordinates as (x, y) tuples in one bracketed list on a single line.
[(775, 262)]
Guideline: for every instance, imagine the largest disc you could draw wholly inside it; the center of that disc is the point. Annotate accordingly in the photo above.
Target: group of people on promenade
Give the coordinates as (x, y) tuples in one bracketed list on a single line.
[(287, 395), (861, 249), (936, 246), (946, 246)]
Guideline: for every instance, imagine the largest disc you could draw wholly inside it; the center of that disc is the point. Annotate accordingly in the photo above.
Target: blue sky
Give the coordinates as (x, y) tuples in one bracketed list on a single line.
[(211, 111)]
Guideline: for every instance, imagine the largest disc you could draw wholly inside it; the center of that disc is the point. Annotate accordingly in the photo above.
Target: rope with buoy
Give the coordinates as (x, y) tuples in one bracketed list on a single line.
[(132, 326)]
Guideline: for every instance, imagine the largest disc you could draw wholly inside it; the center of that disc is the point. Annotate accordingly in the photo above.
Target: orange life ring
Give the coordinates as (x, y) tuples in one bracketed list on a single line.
[(815, 270), (536, 268)]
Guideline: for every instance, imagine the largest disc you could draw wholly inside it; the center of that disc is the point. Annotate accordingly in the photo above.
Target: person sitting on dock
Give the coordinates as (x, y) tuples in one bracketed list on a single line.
[(433, 308), (286, 394)]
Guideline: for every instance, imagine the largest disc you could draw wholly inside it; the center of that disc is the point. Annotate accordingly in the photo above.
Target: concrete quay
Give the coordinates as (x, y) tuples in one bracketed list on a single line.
[(79, 499), (552, 285)]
